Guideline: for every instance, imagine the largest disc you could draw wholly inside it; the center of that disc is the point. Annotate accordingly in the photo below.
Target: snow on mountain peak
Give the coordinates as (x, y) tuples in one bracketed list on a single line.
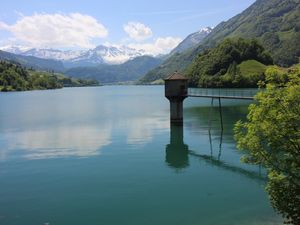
[(16, 49), (192, 40), (205, 30), (109, 54), (101, 54)]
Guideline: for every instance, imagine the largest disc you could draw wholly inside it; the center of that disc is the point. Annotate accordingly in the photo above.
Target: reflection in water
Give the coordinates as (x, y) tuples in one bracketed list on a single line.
[(59, 141), (200, 119), (128, 126), (215, 162), (220, 145), (77, 140), (211, 145), (142, 129), (177, 151), (177, 155), (221, 122), (55, 142)]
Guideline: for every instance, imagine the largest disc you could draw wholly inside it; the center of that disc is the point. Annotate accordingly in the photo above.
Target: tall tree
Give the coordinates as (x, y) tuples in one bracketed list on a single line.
[(271, 137)]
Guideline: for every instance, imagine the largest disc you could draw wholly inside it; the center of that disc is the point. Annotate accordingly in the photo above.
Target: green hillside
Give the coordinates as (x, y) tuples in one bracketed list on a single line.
[(233, 63), (274, 23), (14, 77), (252, 67), (33, 62)]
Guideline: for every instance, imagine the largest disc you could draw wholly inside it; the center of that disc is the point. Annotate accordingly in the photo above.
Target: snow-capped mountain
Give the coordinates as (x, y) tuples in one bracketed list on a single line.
[(192, 40), (99, 55), (109, 55), (52, 54), (102, 54), (15, 49)]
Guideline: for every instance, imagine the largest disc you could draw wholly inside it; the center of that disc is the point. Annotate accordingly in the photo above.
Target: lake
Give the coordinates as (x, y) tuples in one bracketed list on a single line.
[(108, 156)]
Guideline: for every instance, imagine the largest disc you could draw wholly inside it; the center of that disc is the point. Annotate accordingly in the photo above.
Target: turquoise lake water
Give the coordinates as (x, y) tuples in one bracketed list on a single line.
[(108, 156)]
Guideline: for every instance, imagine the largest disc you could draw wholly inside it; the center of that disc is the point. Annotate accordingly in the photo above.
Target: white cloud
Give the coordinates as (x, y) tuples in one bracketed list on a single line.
[(56, 30), (4, 26), (137, 31), (161, 45)]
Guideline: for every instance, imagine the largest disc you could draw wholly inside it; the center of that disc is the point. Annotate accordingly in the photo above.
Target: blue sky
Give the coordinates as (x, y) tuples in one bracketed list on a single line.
[(132, 22)]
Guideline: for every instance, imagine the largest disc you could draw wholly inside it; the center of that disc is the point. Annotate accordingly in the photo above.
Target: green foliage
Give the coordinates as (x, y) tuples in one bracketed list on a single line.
[(32, 62), (271, 137), (73, 82), (14, 77), (39, 80), (219, 67), (274, 23), (176, 62), (252, 67)]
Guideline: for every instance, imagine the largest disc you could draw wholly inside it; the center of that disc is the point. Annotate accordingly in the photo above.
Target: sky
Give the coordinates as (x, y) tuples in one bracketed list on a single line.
[(157, 25)]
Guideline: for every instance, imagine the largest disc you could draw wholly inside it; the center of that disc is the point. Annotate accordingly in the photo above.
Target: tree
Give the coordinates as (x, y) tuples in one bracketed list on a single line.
[(271, 137), (208, 68)]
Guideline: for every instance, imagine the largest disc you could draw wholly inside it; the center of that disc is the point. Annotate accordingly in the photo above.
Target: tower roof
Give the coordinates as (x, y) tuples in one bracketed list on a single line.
[(176, 76)]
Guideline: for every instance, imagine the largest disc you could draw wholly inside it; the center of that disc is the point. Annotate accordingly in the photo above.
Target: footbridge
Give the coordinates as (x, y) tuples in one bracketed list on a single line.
[(176, 90), (242, 94)]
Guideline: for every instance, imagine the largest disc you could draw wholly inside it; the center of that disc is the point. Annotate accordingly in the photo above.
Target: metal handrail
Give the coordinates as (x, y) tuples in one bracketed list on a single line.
[(202, 92)]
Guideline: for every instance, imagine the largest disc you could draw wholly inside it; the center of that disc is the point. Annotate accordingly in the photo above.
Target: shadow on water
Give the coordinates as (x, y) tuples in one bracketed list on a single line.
[(208, 118), (178, 153)]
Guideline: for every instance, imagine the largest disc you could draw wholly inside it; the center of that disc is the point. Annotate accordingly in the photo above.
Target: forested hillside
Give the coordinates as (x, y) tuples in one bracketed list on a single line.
[(33, 62), (233, 63), (274, 23), (14, 77)]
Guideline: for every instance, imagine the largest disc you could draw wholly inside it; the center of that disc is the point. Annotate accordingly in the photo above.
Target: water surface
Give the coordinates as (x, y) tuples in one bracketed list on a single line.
[(107, 155)]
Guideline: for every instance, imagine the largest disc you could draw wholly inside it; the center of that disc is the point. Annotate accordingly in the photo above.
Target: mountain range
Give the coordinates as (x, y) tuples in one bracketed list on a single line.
[(72, 58), (102, 54), (33, 62), (274, 23), (131, 70), (106, 64)]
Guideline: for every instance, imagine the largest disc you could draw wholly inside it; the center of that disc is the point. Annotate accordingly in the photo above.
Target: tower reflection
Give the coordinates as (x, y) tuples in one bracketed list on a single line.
[(177, 151)]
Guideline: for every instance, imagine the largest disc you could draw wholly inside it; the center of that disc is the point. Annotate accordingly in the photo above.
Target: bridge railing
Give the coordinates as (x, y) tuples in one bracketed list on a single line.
[(216, 92)]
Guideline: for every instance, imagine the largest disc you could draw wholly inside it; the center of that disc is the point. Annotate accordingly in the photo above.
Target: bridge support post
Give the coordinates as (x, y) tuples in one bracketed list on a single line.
[(176, 90)]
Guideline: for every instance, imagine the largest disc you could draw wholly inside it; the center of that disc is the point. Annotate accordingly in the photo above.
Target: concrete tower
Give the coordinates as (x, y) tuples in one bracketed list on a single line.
[(176, 90)]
